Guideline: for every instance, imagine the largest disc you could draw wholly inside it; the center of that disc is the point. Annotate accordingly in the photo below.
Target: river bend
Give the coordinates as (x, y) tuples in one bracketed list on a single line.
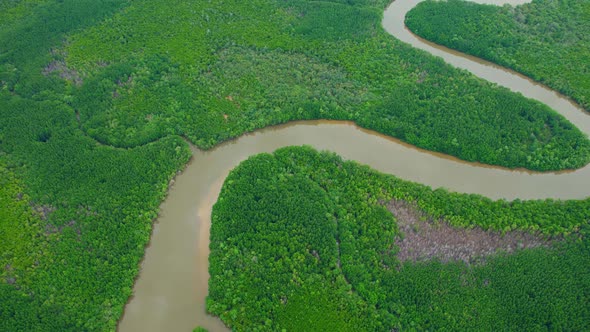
[(169, 294)]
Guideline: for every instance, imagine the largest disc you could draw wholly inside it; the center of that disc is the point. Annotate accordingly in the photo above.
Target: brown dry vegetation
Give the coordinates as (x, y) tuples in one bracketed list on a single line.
[(60, 67), (43, 211), (424, 238)]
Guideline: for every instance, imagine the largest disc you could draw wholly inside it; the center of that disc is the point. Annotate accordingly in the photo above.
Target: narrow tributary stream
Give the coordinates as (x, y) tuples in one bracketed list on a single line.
[(169, 294)]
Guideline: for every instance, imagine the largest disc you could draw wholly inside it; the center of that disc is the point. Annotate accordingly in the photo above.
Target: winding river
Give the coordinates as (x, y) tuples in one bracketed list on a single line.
[(169, 294)]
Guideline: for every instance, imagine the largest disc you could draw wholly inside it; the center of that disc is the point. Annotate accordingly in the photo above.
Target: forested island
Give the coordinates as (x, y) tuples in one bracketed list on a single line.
[(100, 99), (548, 41)]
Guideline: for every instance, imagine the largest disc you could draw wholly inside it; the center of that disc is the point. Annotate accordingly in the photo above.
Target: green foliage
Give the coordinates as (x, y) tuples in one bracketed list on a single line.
[(327, 21), (316, 308), (545, 40), (300, 240), (291, 235), (27, 42), (535, 289), (19, 228), (14, 10), (301, 60), (95, 94), (96, 205)]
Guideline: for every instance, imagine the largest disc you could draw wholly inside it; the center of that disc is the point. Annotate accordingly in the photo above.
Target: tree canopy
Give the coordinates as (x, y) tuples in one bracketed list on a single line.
[(301, 240), (545, 40)]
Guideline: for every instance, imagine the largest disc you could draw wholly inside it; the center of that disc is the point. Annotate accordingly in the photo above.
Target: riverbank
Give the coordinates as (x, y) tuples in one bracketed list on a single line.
[(367, 148), (297, 227), (182, 228), (136, 76), (547, 41)]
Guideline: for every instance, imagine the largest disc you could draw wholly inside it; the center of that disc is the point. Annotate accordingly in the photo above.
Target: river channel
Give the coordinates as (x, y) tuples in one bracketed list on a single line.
[(169, 294)]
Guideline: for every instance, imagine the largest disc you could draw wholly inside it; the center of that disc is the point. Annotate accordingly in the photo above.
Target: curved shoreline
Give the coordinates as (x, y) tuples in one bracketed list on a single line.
[(393, 22), (170, 290), (489, 62)]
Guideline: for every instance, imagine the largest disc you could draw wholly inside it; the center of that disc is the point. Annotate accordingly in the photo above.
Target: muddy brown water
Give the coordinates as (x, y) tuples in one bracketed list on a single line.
[(169, 294)]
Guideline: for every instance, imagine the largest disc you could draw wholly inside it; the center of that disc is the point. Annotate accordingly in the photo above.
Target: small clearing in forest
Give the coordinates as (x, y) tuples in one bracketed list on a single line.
[(425, 238)]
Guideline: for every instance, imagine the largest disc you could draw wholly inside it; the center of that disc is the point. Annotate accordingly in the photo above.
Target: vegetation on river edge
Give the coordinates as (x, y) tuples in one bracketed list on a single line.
[(213, 70), (94, 95), (546, 40), (302, 241)]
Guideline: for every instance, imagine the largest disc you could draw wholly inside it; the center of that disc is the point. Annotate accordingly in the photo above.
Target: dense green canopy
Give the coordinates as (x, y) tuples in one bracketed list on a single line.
[(95, 96), (301, 241), (547, 40)]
